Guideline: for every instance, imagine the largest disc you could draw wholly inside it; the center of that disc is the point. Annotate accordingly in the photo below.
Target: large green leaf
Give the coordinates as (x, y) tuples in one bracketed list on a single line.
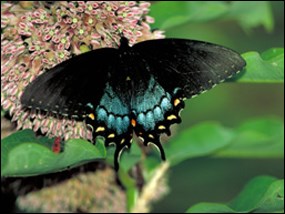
[(200, 140), (263, 194), (258, 191), (257, 138), (260, 137), (262, 68), (22, 154)]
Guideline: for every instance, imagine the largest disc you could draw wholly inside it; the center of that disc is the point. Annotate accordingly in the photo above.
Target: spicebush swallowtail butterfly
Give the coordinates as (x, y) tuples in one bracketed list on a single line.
[(138, 89)]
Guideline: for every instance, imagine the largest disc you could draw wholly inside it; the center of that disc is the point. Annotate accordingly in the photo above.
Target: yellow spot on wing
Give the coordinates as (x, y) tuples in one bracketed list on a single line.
[(123, 140), (171, 117), (100, 128), (111, 135), (161, 127), (151, 136), (91, 116)]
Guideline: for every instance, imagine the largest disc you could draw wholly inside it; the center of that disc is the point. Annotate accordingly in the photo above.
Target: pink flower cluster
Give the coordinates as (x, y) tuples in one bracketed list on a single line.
[(37, 35)]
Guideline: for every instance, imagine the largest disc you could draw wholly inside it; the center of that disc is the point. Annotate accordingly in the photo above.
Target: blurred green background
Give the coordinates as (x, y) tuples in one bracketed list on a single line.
[(219, 180)]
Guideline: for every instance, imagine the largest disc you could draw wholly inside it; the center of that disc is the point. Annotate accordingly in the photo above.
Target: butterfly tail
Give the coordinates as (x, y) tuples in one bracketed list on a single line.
[(118, 152), (160, 148)]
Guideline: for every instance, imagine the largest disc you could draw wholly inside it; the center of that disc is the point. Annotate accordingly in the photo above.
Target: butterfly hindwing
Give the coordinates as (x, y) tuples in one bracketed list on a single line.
[(154, 111), (193, 66), (111, 120)]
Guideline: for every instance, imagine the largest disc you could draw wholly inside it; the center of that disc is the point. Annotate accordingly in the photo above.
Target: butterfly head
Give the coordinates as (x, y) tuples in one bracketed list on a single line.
[(124, 43)]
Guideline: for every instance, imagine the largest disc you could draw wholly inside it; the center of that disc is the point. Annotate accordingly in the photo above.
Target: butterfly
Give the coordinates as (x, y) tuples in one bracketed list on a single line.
[(140, 89)]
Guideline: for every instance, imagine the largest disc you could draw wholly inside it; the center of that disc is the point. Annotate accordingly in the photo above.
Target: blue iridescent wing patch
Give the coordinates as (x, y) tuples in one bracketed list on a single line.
[(139, 89), (154, 111)]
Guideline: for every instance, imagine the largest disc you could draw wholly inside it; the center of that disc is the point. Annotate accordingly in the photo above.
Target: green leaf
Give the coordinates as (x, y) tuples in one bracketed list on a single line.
[(257, 138), (251, 14), (248, 14), (172, 13), (210, 208), (262, 194), (274, 200), (22, 154), (257, 192), (267, 67), (200, 140)]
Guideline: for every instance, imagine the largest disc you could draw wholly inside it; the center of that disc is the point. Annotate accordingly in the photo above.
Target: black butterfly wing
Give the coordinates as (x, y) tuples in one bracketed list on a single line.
[(140, 89), (73, 87), (87, 88), (175, 68), (193, 66)]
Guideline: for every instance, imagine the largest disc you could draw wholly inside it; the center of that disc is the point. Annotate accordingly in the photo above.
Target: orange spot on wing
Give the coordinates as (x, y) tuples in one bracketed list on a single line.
[(91, 116), (176, 102), (133, 122)]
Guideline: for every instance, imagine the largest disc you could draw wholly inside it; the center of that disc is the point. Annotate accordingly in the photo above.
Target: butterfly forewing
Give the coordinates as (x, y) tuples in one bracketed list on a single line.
[(72, 87), (193, 66)]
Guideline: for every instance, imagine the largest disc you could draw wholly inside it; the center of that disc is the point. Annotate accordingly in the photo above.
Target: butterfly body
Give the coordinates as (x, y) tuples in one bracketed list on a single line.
[(139, 89)]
